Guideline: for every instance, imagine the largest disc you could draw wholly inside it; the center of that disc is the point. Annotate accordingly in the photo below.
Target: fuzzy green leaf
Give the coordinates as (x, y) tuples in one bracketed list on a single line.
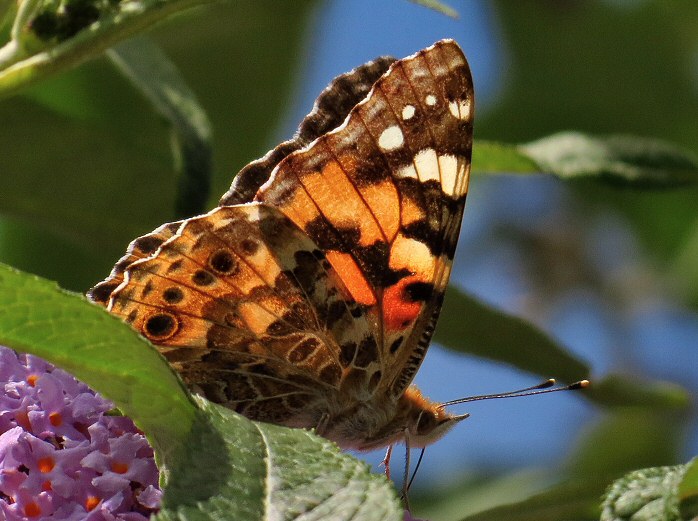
[(244, 470), (645, 495)]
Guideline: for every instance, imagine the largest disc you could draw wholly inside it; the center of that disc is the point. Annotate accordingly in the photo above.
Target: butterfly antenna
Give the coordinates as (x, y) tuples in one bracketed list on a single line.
[(541, 388)]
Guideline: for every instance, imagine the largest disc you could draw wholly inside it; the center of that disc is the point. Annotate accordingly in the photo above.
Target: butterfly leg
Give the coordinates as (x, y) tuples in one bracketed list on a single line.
[(321, 426), (386, 461), (406, 477)]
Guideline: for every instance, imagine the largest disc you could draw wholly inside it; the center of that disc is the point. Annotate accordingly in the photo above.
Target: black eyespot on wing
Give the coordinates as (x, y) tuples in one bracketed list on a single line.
[(160, 326), (202, 278), (222, 262), (173, 295)]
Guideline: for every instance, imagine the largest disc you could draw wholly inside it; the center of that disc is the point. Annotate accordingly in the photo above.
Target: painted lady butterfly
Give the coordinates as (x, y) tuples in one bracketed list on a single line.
[(308, 298)]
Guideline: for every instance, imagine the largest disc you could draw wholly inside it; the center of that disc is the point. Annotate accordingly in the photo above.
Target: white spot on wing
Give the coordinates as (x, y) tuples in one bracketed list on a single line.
[(449, 174), (408, 111), (407, 171), (427, 164), (460, 108), (463, 177), (221, 223), (430, 100), (391, 138)]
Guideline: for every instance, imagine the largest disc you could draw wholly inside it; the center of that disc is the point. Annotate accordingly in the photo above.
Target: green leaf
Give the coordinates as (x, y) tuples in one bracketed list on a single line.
[(25, 62), (645, 495), (219, 465), (570, 501), (627, 159), (467, 325), (688, 492), (437, 6), (632, 160), (244, 470), (493, 157), (158, 79), (64, 328)]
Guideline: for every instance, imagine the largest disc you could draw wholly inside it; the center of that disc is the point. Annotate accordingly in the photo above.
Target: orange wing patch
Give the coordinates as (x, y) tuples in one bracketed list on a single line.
[(350, 273)]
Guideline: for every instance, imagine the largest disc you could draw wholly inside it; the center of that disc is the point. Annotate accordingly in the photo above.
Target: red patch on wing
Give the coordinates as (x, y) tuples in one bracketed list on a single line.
[(399, 311)]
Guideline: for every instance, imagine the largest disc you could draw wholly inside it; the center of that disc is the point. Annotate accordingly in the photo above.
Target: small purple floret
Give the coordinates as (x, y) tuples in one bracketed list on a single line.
[(61, 457)]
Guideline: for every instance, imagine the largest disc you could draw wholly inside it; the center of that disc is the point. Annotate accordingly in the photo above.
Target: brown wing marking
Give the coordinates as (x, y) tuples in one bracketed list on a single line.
[(140, 248)]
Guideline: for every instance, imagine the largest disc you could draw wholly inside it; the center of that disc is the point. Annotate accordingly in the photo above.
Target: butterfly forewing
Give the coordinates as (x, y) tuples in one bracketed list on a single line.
[(383, 196)]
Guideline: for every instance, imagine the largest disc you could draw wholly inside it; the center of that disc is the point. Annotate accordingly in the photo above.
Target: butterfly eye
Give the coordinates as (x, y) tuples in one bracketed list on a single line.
[(426, 423)]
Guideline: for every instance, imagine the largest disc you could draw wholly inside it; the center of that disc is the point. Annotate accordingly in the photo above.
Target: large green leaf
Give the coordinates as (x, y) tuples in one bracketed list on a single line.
[(244, 470), (218, 464)]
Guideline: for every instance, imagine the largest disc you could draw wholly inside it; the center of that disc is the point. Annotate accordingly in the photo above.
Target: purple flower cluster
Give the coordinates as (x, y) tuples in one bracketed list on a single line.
[(61, 456)]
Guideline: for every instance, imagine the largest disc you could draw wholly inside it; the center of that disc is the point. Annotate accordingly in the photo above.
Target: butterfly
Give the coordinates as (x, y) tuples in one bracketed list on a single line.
[(309, 296)]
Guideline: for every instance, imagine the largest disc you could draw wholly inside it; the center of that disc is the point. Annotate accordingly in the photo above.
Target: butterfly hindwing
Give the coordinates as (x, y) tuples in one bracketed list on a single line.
[(244, 305)]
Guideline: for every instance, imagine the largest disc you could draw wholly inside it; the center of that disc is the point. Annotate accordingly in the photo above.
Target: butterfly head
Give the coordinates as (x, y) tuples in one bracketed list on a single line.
[(427, 421)]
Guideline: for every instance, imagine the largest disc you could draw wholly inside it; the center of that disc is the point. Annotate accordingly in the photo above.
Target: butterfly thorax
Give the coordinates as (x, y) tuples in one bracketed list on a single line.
[(380, 422)]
